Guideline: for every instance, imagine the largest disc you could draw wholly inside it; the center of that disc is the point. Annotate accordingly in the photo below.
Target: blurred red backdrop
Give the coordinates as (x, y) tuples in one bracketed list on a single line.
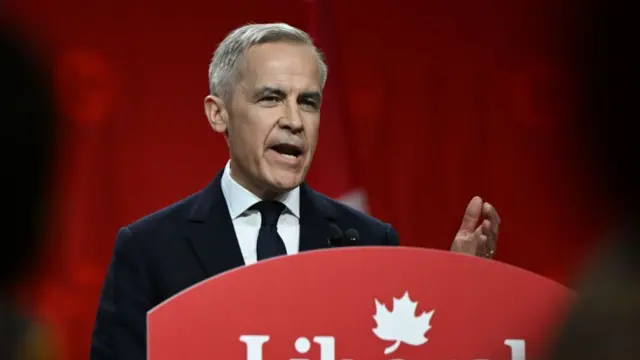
[(445, 100)]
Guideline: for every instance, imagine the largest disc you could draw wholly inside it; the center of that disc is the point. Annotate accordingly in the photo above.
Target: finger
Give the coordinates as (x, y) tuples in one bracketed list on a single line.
[(474, 242), (489, 211), (490, 228), (483, 242), (472, 214), (483, 245), (487, 228), (468, 244), (486, 245), (490, 235)]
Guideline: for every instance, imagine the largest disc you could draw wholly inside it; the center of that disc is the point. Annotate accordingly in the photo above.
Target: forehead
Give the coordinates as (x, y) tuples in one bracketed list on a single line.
[(281, 64)]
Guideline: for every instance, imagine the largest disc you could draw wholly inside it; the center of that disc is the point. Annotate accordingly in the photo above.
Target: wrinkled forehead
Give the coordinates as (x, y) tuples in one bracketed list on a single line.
[(291, 67)]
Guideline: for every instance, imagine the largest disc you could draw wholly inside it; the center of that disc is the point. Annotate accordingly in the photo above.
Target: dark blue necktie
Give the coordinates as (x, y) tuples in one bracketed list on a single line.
[(270, 243)]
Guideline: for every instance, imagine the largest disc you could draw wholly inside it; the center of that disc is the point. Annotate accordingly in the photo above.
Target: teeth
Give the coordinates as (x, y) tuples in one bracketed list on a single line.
[(288, 156)]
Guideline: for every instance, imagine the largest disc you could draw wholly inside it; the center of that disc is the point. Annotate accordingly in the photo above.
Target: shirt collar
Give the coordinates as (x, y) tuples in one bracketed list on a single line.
[(239, 199)]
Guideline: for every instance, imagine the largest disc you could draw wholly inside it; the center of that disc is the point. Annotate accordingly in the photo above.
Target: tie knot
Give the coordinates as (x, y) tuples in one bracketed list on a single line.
[(270, 211)]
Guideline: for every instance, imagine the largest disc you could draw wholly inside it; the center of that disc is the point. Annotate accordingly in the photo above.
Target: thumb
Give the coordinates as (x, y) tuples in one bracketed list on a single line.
[(471, 215)]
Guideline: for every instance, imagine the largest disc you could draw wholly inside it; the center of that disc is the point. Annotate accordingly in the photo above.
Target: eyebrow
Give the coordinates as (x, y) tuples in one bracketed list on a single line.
[(269, 90)]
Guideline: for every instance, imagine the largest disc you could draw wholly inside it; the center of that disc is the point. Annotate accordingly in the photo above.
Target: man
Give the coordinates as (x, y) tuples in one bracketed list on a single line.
[(266, 86)]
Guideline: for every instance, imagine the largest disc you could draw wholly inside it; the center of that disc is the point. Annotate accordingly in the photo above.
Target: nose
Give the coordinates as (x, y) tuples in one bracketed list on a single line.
[(292, 119)]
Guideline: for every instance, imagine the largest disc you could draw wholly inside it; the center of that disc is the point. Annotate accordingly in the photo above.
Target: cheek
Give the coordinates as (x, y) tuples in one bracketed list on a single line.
[(248, 139), (312, 129), (254, 129)]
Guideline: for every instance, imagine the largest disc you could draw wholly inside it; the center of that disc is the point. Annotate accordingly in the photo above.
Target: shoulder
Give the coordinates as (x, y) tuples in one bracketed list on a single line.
[(346, 217), (159, 227), (166, 218), (350, 213)]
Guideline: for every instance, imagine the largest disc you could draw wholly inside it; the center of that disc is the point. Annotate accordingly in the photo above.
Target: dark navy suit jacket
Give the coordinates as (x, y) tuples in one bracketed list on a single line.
[(188, 242)]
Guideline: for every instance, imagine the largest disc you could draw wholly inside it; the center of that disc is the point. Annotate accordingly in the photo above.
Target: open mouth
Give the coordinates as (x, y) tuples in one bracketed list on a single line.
[(288, 150)]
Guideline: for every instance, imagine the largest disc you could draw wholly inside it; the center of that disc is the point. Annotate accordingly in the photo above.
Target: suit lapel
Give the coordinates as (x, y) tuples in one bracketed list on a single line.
[(213, 237), (315, 216), (211, 231)]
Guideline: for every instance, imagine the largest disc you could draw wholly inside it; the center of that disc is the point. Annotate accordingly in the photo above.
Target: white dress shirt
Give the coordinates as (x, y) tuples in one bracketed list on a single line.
[(247, 222)]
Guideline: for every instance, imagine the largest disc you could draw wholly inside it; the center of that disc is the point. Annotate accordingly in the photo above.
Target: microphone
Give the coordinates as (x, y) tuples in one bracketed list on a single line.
[(335, 237), (351, 237)]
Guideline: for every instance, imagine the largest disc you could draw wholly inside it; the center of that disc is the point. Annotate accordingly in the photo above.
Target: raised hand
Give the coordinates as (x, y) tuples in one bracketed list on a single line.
[(474, 238)]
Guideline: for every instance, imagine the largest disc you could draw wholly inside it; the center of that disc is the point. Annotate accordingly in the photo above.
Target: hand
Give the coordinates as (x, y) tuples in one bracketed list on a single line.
[(481, 240)]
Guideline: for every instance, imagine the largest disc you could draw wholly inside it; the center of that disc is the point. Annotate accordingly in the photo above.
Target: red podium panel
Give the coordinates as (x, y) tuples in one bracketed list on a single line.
[(361, 303)]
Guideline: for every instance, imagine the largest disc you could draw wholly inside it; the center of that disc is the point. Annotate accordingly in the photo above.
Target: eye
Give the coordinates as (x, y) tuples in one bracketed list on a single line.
[(309, 104), (269, 100)]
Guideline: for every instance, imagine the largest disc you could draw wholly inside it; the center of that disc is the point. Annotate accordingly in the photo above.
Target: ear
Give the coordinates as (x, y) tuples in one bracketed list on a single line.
[(216, 113)]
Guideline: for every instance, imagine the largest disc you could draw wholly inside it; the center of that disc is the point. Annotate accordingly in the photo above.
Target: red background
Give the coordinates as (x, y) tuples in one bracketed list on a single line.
[(445, 100)]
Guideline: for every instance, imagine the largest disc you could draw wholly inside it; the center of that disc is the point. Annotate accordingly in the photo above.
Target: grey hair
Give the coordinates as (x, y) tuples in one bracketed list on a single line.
[(222, 69)]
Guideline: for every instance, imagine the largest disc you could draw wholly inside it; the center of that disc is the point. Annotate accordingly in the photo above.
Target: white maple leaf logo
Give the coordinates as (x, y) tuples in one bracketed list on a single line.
[(401, 325)]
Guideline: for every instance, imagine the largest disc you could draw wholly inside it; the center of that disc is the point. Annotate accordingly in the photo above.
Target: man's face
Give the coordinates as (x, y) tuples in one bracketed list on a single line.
[(271, 124)]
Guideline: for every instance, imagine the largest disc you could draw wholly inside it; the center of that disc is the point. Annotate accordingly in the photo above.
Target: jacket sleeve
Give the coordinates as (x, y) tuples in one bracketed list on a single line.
[(120, 329), (391, 236)]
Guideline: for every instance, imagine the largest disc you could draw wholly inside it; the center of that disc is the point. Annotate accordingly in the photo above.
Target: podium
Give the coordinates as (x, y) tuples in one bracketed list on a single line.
[(362, 303)]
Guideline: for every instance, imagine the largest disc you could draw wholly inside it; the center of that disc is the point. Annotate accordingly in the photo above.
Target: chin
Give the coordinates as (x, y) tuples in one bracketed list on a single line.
[(286, 184), (286, 180)]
